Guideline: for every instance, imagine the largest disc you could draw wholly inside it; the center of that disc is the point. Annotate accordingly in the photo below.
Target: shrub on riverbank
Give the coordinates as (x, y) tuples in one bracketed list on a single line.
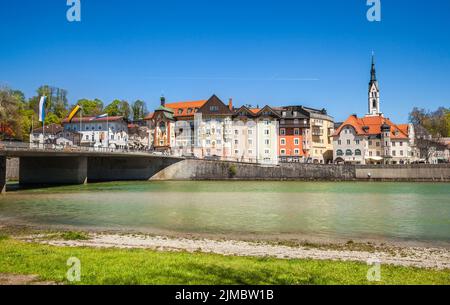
[(137, 266)]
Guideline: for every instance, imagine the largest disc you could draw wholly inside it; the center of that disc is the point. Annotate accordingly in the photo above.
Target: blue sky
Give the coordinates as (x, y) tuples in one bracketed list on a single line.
[(257, 52)]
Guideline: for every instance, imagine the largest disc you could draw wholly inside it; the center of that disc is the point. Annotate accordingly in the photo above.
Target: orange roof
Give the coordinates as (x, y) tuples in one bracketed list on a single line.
[(181, 109), (371, 125), (254, 110), (149, 116)]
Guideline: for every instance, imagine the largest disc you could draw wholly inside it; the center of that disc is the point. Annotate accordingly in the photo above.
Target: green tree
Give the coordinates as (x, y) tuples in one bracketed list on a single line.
[(91, 107), (118, 108), (10, 118), (139, 110)]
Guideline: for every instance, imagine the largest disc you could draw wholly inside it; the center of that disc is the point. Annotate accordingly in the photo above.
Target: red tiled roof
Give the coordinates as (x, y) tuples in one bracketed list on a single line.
[(49, 129), (93, 119), (149, 116), (181, 109), (371, 125)]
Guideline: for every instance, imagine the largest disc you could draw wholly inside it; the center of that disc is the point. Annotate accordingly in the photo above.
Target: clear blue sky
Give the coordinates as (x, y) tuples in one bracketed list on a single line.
[(253, 51)]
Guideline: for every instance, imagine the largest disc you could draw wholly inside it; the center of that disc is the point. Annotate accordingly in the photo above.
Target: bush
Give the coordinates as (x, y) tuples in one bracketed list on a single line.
[(232, 171)]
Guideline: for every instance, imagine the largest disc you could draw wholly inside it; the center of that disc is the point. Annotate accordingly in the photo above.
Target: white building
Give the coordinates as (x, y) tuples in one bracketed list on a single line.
[(106, 132)]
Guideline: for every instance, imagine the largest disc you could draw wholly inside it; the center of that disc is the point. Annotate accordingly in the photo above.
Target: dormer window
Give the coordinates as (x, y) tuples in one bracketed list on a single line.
[(295, 113), (189, 110), (283, 113), (214, 108), (180, 111)]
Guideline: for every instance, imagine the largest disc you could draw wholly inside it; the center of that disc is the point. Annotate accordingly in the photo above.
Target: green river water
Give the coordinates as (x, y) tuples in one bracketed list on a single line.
[(348, 210)]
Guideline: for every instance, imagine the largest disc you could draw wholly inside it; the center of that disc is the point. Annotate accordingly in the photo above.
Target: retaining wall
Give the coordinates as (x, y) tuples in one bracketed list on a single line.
[(216, 170)]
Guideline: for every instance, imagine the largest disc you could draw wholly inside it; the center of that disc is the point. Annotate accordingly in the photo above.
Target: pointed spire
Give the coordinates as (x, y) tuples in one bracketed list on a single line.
[(373, 75)]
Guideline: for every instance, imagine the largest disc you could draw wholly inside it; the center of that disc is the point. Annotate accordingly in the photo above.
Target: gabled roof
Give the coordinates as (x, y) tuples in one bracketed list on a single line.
[(222, 109), (52, 129), (372, 125), (249, 112)]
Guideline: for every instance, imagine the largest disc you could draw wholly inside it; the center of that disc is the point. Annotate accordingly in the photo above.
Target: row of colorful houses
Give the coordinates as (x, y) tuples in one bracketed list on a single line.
[(212, 129), (217, 130)]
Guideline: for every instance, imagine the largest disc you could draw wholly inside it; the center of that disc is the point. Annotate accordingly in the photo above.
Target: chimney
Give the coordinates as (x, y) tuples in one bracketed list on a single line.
[(163, 101), (230, 104)]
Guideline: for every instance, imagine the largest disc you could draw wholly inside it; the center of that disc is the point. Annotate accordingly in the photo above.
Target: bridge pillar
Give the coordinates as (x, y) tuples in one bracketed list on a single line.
[(126, 168), (2, 175), (53, 170)]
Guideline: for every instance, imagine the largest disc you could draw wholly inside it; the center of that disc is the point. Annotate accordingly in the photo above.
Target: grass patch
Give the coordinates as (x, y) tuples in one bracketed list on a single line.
[(3, 236), (74, 236), (138, 266)]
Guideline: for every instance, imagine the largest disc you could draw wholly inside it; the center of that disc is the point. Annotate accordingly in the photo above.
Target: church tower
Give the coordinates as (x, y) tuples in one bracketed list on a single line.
[(374, 92)]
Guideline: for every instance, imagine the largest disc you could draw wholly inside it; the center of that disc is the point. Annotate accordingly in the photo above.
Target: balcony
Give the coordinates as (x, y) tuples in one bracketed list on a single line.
[(317, 132)]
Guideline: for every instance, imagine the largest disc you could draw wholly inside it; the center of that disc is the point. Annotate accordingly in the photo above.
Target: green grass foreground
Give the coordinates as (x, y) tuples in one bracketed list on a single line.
[(137, 266)]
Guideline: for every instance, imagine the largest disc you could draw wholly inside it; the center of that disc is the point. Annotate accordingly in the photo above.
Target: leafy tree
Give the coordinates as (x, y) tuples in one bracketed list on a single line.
[(435, 122), (118, 108), (139, 110), (91, 107), (10, 118)]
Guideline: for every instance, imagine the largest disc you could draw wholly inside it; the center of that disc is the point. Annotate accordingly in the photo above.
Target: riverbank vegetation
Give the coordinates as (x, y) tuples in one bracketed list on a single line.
[(139, 266)]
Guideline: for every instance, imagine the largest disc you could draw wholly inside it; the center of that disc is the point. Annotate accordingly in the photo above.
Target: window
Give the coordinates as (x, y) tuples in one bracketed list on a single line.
[(296, 131), (294, 113), (266, 132), (339, 142), (236, 151), (378, 153), (282, 131), (250, 152), (393, 144), (370, 142), (267, 151), (339, 152), (250, 132), (208, 142), (267, 141), (357, 142), (283, 113), (401, 143), (394, 153), (214, 108), (236, 142), (180, 111), (348, 142), (297, 141), (250, 141), (357, 152), (378, 143), (283, 151), (370, 154), (267, 122), (348, 152), (296, 151), (401, 152), (236, 132), (282, 141)]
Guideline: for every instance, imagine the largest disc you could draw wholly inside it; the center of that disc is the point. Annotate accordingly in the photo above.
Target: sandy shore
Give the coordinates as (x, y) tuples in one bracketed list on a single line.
[(436, 258)]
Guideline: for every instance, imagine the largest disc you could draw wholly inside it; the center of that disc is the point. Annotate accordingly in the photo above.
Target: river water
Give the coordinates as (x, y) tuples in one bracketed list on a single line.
[(417, 212)]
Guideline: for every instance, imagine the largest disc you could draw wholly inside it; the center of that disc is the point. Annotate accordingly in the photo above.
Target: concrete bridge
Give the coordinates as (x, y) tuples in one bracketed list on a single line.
[(52, 167)]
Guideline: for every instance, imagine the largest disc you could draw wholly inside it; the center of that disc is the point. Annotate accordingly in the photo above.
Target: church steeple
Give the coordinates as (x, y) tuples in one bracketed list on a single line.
[(373, 72), (374, 91)]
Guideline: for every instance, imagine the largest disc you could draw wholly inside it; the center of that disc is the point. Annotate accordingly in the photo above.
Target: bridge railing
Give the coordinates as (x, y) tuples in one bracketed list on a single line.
[(21, 146)]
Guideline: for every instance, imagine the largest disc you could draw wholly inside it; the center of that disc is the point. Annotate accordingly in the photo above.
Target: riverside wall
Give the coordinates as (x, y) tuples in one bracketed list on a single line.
[(217, 170)]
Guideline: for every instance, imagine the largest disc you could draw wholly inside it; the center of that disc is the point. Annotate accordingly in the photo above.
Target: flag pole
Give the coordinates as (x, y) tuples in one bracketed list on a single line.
[(43, 126), (81, 122), (107, 127)]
